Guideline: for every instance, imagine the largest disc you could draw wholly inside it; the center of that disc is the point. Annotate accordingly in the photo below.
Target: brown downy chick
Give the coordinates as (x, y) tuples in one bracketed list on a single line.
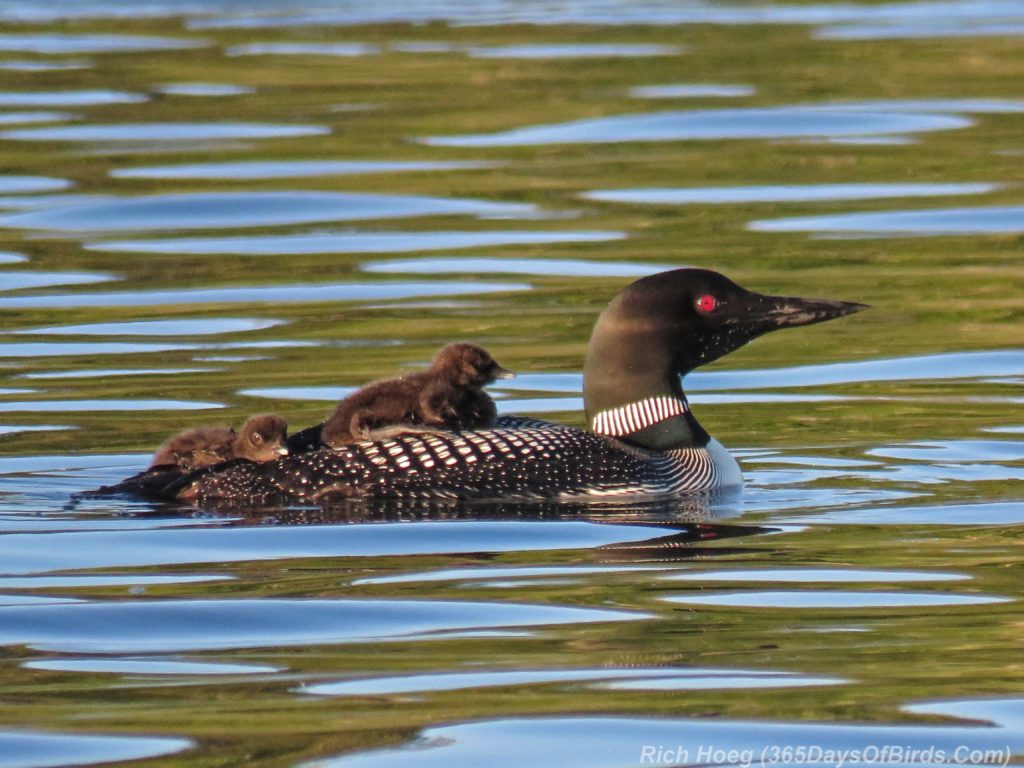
[(260, 439), (448, 395)]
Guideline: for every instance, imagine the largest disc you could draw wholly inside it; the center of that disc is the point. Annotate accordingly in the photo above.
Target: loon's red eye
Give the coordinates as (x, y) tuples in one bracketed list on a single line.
[(707, 303)]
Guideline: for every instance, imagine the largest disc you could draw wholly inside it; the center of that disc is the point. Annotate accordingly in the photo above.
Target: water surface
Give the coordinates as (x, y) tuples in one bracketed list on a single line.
[(168, 132), (707, 125), (285, 169), (61, 43), (23, 184), (574, 51), (348, 242), (983, 220), (227, 210), (783, 194), (68, 98), (41, 750), (310, 293), (691, 91), (212, 209)]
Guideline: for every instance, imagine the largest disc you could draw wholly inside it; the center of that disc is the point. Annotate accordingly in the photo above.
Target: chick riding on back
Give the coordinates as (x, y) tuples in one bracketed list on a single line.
[(449, 395), (260, 439)]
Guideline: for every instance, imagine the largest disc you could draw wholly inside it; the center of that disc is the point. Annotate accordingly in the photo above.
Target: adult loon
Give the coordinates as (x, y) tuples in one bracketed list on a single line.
[(644, 438)]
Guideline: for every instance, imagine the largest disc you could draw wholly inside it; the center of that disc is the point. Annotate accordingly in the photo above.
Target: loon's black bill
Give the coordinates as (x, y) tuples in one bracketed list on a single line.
[(785, 312)]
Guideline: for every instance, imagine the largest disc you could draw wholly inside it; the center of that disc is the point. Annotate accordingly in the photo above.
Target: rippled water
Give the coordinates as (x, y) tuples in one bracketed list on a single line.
[(214, 209)]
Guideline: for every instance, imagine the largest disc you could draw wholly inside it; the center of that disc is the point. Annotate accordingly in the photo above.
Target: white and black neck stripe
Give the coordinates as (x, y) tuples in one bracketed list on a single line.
[(633, 417)]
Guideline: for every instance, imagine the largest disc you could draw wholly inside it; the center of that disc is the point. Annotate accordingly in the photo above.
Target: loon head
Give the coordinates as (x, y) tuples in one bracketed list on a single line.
[(665, 325)]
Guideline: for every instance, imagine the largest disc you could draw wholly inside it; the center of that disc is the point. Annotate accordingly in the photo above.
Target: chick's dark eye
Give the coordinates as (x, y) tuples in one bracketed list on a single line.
[(707, 303), (257, 438)]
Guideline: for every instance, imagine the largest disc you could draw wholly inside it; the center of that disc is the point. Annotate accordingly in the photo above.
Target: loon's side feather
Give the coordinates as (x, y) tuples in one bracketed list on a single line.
[(540, 460)]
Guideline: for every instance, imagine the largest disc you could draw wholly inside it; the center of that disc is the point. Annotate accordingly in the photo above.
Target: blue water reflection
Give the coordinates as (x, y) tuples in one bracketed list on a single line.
[(968, 14), (692, 91), (15, 65), (70, 349), (810, 599), (11, 429), (753, 123), (512, 266), (182, 625), (37, 202), (983, 220), (739, 680), (608, 677), (204, 89), (573, 51), (302, 49), (29, 749), (136, 133), (88, 98), (954, 451), (777, 193), (17, 118), (988, 513), (613, 742), (484, 574), (958, 106), (206, 210), (285, 169), (23, 184), (103, 406), (57, 43), (148, 666), (112, 580), (936, 27), (180, 327), (348, 242), (816, 575), (29, 553), (259, 294), (956, 365)]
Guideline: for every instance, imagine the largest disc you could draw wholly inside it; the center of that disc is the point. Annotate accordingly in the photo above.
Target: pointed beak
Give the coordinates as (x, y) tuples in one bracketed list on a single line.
[(503, 373), (281, 450), (768, 313), (784, 312)]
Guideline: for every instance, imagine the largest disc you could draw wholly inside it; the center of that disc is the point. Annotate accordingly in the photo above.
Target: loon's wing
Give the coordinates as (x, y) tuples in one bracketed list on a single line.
[(531, 459), (150, 482)]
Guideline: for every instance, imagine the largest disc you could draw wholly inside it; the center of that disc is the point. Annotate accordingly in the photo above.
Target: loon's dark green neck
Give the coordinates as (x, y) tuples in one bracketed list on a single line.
[(662, 327), (632, 387)]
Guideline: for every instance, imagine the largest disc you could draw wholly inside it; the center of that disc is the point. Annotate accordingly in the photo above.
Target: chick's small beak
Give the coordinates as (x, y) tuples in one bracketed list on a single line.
[(281, 450), (503, 373)]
